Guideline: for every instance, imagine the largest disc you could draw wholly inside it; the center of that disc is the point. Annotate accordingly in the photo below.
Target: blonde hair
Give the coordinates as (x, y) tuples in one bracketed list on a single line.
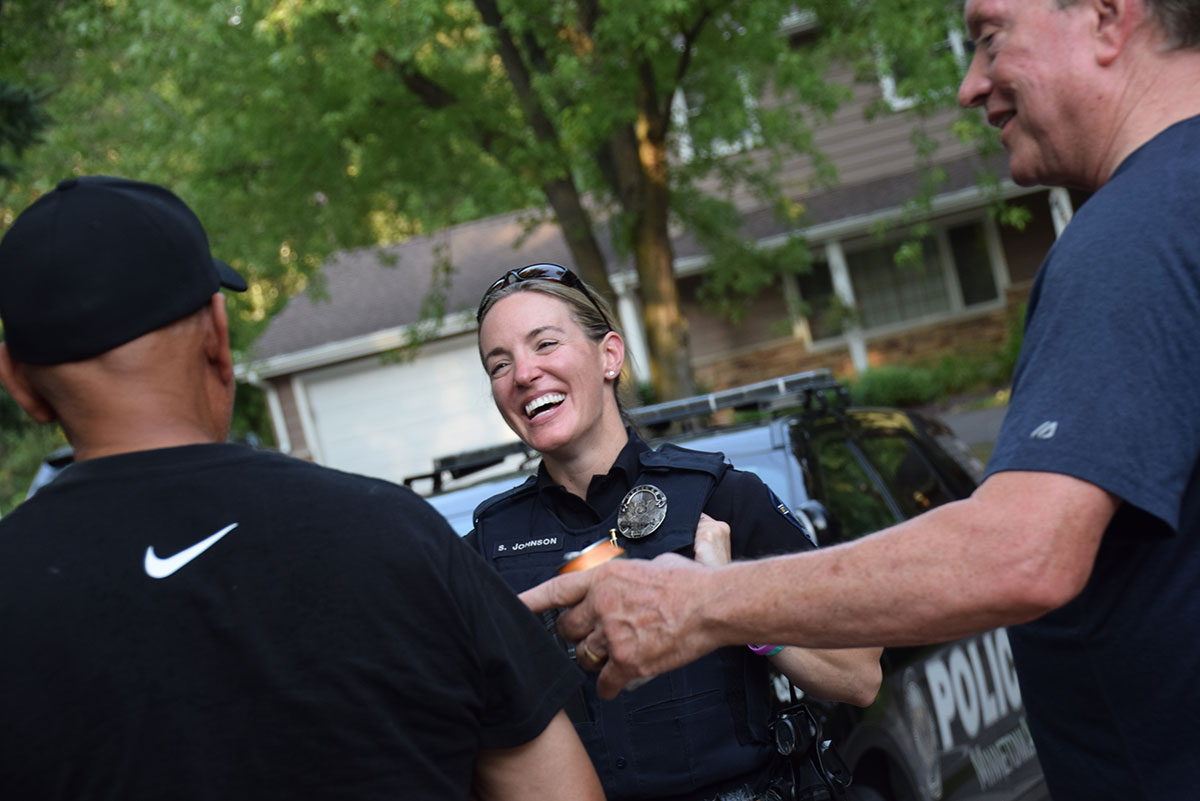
[(590, 311)]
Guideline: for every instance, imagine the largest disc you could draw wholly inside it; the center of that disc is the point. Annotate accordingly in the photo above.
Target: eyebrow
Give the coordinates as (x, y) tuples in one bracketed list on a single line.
[(534, 334), (974, 19)]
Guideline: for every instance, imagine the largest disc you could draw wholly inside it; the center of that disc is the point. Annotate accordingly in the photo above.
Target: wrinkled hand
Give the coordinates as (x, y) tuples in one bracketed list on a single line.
[(638, 618), (712, 546)]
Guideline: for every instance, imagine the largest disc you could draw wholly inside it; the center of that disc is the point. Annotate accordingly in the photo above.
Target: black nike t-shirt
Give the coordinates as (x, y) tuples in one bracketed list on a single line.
[(211, 622)]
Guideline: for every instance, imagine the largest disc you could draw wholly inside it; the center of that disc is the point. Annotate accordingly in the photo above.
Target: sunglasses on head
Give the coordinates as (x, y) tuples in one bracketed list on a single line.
[(540, 272)]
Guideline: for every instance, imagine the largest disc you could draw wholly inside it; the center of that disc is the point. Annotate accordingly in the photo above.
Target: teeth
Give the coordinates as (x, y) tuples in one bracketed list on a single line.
[(538, 403)]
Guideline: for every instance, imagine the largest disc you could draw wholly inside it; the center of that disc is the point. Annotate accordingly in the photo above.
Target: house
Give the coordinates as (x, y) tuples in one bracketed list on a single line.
[(340, 394)]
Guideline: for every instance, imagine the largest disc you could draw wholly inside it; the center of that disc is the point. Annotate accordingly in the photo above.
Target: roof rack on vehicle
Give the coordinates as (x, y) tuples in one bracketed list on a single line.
[(464, 463), (807, 389), (810, 389)]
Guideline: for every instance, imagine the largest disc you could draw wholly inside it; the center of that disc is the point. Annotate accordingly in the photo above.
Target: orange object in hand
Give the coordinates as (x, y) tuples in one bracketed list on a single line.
[(597, 553)]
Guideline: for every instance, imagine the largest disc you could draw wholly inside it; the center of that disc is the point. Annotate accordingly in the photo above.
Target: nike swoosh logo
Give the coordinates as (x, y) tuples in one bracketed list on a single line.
[(158, 568)]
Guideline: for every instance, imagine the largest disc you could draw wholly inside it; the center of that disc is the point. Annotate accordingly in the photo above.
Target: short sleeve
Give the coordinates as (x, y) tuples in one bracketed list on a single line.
[(526, 676), (760, 523), (1105, 388)]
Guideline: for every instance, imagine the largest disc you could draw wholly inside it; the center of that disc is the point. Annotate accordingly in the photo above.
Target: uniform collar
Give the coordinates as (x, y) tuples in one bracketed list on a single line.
[(604, 491)]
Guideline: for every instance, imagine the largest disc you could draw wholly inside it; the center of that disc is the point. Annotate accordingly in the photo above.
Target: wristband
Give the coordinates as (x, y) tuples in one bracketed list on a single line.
[(765, 650)]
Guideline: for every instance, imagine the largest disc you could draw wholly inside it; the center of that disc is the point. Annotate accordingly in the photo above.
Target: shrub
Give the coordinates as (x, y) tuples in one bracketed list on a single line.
[(1016, 336), (895, 385)]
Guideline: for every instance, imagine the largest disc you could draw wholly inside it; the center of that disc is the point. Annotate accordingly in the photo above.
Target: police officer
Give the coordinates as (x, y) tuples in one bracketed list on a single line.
[(698, 732)]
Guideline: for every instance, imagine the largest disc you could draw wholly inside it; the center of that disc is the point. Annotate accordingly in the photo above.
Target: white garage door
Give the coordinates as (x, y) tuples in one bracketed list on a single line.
[(392, 420)]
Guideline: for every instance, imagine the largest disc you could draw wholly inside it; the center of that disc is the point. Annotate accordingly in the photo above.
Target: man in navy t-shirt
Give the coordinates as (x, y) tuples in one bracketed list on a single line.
[(1106, 392), (1086, 528)]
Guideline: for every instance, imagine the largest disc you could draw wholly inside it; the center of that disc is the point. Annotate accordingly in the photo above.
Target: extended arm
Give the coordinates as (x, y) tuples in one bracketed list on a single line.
[(552, 766), (1022, 545)]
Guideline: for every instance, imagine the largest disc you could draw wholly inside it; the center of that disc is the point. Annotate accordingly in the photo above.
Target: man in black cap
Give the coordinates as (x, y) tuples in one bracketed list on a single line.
[(185, 618)]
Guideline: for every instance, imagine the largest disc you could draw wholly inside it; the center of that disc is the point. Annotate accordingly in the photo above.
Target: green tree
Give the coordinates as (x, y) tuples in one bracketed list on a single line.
[(299, 128), (23, 116), (23, 446), (22, 119)]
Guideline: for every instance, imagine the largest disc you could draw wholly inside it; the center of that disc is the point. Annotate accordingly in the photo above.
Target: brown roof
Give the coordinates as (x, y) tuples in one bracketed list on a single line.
[(377, 288)]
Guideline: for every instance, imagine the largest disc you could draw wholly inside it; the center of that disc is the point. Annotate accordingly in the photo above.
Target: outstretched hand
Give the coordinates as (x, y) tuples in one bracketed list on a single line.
[(637, 618)]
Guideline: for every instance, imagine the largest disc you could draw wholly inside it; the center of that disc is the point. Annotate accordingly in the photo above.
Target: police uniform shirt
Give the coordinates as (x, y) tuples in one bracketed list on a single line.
[(697, 730), (759, 526)]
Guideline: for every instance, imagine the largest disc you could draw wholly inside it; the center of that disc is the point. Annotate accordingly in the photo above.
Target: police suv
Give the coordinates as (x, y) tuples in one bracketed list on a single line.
[(948, 722)]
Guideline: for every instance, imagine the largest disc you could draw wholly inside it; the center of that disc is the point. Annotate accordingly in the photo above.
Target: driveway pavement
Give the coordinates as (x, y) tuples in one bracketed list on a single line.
[(976, 427)]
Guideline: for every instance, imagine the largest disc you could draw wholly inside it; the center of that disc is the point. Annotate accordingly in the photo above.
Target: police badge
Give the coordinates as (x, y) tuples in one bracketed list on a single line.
[(642, 511)]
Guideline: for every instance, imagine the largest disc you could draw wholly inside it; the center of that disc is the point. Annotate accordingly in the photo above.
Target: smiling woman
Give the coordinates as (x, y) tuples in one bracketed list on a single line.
[(555, 360), (555, 363)]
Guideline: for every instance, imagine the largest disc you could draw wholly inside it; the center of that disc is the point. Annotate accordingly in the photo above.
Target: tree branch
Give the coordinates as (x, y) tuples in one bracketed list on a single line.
[(518, 73), (428, 91), (690, 35), (560, 190)]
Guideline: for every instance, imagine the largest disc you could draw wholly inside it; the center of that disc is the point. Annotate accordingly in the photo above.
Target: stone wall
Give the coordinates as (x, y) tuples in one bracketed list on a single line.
[(969, 334), (778, 359)]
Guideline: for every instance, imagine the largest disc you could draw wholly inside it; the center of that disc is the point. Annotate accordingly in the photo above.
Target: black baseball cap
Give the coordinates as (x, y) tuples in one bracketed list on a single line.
[(98, 262)]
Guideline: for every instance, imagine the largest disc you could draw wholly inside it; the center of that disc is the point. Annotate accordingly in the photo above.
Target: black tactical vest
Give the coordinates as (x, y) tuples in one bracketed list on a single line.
[(684, 730)]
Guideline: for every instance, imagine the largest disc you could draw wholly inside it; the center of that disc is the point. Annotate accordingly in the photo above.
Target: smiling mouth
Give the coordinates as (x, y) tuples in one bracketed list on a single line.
[(543, 403)]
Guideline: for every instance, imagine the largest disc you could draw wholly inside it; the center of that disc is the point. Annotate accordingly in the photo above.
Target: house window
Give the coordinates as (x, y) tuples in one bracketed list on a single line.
[(826, 318), (896, 64), (887, 293), (800, 28), (954, 272), (968, 248), (687, 106)]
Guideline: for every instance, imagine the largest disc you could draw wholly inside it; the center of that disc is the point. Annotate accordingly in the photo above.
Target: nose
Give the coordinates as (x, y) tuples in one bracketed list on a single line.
[(526, 370), (976, 85)]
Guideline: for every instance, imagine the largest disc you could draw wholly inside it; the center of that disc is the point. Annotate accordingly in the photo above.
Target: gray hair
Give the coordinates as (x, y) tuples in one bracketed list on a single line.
[(1179, 20)]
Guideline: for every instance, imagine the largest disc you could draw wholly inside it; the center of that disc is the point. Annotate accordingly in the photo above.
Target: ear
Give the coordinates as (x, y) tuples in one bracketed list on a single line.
[(216, 344), (1115, 22), (613, 348), (15, 380)]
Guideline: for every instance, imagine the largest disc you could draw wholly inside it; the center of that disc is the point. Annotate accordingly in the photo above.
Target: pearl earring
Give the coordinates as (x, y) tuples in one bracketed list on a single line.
[(610, 373)]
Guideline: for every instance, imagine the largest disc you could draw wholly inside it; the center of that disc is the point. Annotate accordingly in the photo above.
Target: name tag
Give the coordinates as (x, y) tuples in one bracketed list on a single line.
[(535, 544)]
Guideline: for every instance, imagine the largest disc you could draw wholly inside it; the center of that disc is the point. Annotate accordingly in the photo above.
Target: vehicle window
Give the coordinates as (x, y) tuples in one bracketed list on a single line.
[(850, 494), (906, 473)]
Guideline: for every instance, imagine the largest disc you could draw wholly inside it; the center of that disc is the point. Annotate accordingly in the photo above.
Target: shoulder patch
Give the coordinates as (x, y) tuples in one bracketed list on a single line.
[(805, 526)]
